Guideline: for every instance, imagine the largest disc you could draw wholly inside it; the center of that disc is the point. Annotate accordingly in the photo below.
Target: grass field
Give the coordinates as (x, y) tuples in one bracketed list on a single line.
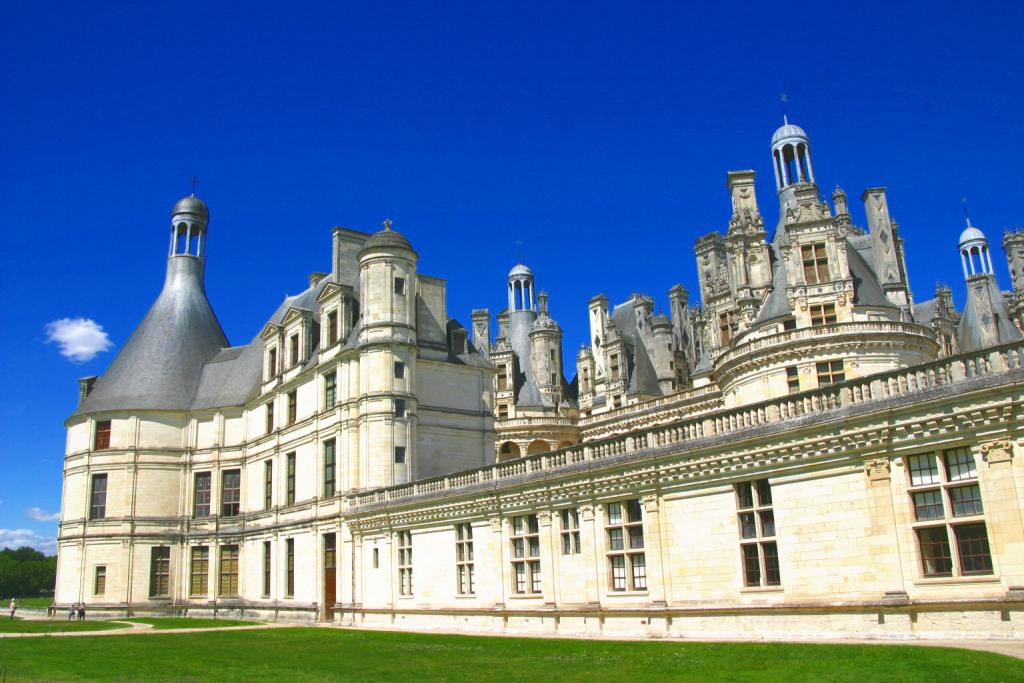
[(163, 623), (56, 626), (311, 654), (30, 603)]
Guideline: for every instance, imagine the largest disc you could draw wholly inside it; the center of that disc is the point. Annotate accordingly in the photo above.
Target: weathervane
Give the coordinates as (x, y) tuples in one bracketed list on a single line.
[(967, 214), (782, 101), (387, 224), (519, 251), (195, 181)]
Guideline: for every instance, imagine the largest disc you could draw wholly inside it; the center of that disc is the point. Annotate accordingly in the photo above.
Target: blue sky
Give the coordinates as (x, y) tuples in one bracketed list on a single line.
[(597, 134)]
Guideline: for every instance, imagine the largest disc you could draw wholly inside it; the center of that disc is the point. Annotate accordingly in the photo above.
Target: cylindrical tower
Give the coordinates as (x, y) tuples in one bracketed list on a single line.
[(387, 359)]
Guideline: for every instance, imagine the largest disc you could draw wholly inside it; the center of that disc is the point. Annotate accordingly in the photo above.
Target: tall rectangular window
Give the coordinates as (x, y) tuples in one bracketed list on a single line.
[(760, 555), (404, 542), (290, 479), (525, 541), (570, 531), (99, 584), (102, 438), (270, 416), (793, 379), (625, 534), (613, 364), (199, 571), (266, 568), (815, 263), (332, 328), (201, 495), (230, 493), (227, 573), (268, 484), (949, 514), (329, 468), (830, 372), (98, 497), (502, 377), (399, 455), (399, 407), (159, 572), (293, 350), (399, 369), (727, 327), (293, 406), (399, 285), (289, 567), (330, 389), (271, 363), (824, 314), (464, 570)]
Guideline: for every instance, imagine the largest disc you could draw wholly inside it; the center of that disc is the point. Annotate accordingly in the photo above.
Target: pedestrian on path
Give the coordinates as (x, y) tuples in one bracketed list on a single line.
[(14, 607), (81, 611), (71, 611)]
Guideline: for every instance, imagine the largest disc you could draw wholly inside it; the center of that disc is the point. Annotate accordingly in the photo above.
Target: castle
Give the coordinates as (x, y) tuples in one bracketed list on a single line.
[(808, 452)]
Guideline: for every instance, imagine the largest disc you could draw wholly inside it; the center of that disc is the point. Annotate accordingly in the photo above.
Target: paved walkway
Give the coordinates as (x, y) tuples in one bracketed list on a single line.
[(134, 628)]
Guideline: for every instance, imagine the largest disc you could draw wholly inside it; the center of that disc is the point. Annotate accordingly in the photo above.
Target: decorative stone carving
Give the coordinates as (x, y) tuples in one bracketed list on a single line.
[(877, 469), (995, 452), (650, 503)]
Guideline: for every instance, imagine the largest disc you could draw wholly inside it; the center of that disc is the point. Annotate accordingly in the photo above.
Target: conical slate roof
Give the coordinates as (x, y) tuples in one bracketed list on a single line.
[(159, 367)]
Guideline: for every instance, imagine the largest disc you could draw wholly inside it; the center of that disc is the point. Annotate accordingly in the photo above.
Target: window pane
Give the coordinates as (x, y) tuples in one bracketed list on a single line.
[(966, 500), (615, 539), (935, 555), (960, 465), (618, 572), (923, 470), (748, 528), (633, 511), (767, 523), (636, 537), (771, 564), (928, 505), (614, 513), (639, 567), (764, 492), (972, 544), (745, 493), (751, 566)]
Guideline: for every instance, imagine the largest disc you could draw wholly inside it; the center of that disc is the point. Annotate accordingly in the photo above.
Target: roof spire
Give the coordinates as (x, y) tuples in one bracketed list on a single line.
[(519, 251), (782, 102), (387, 224), (195, 181), (967, 214)]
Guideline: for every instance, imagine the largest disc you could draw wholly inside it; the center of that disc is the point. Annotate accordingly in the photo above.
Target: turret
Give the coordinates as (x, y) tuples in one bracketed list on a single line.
[(387, 340)]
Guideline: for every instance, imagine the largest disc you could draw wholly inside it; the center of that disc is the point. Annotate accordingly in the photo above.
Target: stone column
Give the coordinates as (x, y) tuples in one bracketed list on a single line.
[(658, 568), (1004, 517), (591, 546), (546, 560)]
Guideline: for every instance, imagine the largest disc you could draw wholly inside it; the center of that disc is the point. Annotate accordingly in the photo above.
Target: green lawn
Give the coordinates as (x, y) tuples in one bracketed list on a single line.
[(33, 603), (162, 623), (317, 654), (56, 626)]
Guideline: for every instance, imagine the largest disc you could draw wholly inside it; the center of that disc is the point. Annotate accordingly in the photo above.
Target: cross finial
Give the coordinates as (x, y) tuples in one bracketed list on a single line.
[(783, 98), (387, 224), (195, 181), (519, 252), (967, 214)]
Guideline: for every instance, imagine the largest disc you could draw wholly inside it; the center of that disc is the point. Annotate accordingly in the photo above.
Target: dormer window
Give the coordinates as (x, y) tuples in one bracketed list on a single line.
[(815, 263), (727, 326), (822, 315), (502, 378), (399, 285), (293, 350)]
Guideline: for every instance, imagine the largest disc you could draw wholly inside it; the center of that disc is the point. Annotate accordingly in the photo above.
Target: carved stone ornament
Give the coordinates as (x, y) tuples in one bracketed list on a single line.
[(495, 524), (995, 452), (877, 469), (544, 517), (586, 512), (650, 503)]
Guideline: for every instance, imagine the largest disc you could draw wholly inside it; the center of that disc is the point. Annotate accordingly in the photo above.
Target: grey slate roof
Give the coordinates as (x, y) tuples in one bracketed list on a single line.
[(644, 379), (969, 329), (159, 366), (866, 290)]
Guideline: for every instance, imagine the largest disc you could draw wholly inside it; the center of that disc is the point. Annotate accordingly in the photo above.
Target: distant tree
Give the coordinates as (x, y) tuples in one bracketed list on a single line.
[(26, 572)]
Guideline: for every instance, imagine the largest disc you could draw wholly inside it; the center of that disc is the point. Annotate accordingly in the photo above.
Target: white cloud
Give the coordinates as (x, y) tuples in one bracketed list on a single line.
[(41, 515), (17, 538), (80, 339)]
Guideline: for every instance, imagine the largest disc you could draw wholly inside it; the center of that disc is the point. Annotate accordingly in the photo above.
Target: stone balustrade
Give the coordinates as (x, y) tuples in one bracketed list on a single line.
[(874, 388)]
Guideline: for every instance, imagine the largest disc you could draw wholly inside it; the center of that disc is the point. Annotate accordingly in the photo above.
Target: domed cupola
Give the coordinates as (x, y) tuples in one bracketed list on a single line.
[(974, 253), (159, 366), (791, 154), (520, 289)]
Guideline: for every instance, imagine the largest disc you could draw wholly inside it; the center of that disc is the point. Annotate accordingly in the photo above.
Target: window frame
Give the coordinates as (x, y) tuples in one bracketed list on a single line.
[(822, 314), (289, 489), (101, 436), (268, 484), (814, 262), (99, 580), (827, 373), (199, 571), (228, 562), (570, 531), (465, 565), (160, 571), (330, 467), (330, 389), (98, 510), (759, 550), (268, 560), (525, 554), (289, 568), (202, 498), (627, 563), (230, 497), (403, 544)]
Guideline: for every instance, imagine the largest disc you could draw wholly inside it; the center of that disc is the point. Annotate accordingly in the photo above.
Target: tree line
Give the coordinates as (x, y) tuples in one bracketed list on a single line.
[(26, 572)]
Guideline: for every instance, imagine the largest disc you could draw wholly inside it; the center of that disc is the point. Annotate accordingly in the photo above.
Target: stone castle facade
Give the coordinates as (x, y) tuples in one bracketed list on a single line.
[(809, 451)]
